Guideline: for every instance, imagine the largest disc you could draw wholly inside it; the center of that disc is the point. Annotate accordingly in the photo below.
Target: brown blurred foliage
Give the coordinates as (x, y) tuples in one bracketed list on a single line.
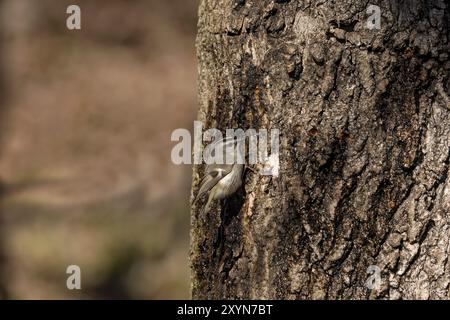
[(85, 147)]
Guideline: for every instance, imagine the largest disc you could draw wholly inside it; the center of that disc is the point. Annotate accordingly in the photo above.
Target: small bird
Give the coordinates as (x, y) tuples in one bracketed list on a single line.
[(221, 180)]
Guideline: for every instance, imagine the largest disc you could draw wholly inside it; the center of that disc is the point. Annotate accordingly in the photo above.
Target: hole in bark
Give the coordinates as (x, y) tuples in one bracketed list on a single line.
[(296, 72), (238, 4), (348, 26)]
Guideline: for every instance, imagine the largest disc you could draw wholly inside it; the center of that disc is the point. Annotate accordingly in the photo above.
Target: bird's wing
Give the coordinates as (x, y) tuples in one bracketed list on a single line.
[(213, 174), (208, 182)]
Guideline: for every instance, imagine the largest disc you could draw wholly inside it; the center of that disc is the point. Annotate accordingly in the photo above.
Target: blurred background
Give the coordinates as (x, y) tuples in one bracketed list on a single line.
[(85, 170)]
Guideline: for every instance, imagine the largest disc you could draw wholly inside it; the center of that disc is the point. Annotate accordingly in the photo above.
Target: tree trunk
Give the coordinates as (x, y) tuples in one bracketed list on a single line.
[(364, 117)]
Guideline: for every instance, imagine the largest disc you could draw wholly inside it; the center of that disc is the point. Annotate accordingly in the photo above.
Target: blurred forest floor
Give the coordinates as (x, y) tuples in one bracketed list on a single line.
[(85, 147)]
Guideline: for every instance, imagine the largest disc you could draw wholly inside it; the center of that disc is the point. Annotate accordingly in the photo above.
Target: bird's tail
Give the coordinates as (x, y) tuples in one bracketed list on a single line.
[(207, 206)]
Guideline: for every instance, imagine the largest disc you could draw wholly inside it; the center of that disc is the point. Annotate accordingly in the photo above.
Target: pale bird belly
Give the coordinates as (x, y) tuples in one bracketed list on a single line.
[(230, 180)]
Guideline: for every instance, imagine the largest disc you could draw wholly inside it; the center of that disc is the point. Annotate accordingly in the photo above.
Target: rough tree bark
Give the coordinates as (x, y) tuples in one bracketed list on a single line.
[(364, 179)]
